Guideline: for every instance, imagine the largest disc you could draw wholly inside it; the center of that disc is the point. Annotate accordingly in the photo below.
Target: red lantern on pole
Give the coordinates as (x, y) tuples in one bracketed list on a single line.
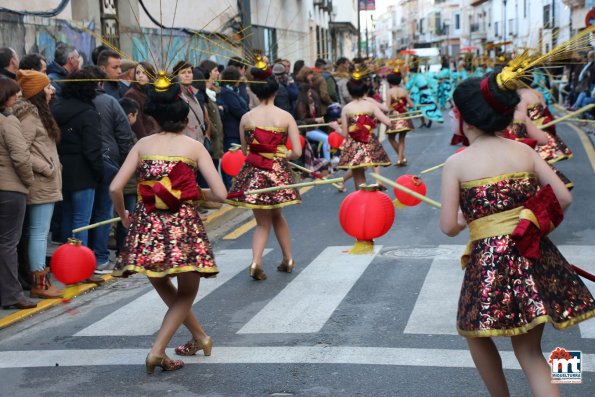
[(232, 162), (290, 147), (335, 140), (412, 182), (365, 215), (72, 262)]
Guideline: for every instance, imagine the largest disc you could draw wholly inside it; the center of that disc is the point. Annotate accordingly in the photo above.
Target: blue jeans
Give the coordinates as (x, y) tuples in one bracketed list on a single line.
[(77, 207), (121, 231), (103, 209), (583, 100), (227, 141), (319, 136), (39, 217)]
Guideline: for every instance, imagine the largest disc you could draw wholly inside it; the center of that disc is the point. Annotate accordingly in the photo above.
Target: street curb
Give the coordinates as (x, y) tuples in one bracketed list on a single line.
[(216, 222)]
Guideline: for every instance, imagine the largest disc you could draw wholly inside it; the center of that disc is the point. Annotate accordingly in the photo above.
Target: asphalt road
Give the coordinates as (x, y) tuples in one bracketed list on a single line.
[(340, 325)]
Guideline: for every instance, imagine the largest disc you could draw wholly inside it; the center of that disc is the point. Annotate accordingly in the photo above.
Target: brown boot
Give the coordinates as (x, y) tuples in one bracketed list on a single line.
[(43, 288)]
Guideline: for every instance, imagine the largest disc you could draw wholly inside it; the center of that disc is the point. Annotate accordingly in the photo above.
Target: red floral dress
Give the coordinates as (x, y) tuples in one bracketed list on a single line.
[(166, 235), (266, 166), (555, 149), (361, 148), (518, 129), (504, 293), (399, 106)]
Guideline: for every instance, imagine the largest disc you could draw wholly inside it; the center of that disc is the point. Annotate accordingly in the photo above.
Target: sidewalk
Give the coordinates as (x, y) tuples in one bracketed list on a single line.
[(217, 224)]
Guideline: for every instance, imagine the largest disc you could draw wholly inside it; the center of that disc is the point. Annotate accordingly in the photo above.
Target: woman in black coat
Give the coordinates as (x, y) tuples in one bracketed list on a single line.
[(79, 150)]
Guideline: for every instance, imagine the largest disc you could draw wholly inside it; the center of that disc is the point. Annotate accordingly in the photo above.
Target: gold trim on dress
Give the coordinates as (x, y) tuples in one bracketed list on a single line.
[(546, 318), (399, 131), (263, 206), (205, 271), (497, 178), (271, 129), (169, 158), (365, 165), (560, 158), (360, 114)]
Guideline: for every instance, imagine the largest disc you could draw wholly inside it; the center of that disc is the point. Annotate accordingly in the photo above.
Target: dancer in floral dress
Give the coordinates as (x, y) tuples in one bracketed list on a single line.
[(399, 102), (166, 237), (515, 278), (263, 133)]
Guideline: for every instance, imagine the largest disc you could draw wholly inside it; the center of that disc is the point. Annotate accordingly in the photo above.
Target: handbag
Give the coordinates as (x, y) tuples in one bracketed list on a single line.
[(208, 145)]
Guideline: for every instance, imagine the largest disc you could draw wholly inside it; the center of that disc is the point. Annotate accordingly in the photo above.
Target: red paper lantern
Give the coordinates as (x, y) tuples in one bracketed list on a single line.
[(290, 147), (335, 140), (232, 162), (412, 182), (72, 262), (366, 214)]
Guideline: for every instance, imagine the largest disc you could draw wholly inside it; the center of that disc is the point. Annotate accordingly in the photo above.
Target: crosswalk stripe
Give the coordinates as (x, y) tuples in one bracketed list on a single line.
[(305, 305), (438, 297), (351, 355), (143, 316)]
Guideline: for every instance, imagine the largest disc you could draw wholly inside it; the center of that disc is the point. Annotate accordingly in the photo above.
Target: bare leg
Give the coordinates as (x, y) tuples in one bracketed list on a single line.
[(282, 233), (264, 220), (489, 365), (393, 143), (527, 349), (167, 291), (401, 147), (347, 175), (178, 311), (359, 177)]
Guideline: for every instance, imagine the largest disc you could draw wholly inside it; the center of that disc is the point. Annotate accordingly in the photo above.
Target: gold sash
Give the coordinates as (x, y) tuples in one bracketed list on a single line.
[(499, 224), (280, 152)]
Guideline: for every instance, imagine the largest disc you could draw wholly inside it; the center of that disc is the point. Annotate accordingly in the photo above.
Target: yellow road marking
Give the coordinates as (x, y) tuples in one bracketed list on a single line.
[(47, 303), (246, 227), (217, 214), (582, 136)]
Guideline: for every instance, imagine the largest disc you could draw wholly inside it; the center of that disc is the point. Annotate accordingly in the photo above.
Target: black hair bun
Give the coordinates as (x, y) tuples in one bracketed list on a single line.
[(477, 111), (166, 106), (394, 78)]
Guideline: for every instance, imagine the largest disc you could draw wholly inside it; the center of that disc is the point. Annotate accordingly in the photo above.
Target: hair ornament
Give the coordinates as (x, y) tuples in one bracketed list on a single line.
[(162, 82), (261, 70)]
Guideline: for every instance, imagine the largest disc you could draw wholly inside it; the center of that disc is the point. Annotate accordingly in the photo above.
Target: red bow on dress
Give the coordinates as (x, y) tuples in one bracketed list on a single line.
[(527, 141), (171, 191), (264, 148), (541, 214), (400, 105), (361, 130)]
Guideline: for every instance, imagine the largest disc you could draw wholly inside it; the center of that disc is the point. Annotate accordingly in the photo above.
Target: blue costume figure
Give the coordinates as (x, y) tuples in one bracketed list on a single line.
[(461, 73), (445, 86), (540, 84), (421, 94)]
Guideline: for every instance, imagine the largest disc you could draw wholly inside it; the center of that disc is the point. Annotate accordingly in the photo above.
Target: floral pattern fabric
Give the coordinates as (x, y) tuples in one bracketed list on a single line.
[(504, 293), (519, 130), (162, 243), (400, 106), (555, 149), (356, 154), (252, 177)]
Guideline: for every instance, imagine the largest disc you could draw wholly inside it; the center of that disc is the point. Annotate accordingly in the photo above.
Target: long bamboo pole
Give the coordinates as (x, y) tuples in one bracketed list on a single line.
[(295, 185), (402, 188), (94, 225), (568, 116), (311, 172)]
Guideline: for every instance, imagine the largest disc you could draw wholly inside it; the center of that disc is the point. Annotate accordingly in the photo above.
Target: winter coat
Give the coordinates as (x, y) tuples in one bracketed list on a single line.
[(234, 107), (116, 134), (282, 99), (16, 172), (47, 184), (216, 129), (80, 145), (56, 72)]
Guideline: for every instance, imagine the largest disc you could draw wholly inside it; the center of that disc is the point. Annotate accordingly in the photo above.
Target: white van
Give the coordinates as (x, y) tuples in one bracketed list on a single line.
[(431, 58)]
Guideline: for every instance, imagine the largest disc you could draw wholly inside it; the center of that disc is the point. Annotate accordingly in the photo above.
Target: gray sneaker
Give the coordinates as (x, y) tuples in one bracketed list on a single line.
[(104, 268)]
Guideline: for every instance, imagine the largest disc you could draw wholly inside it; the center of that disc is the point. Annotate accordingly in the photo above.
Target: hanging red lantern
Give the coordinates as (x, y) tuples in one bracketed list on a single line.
[(290, 147), (335, 140), (412, 182), (366, 214), (72, 262), (232, 162)]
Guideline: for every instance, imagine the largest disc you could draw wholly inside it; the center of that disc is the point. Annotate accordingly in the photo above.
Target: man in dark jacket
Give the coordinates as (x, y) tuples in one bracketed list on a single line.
[(110, 62), (282, 99), (66, 61), (9, 63), (117, 140), (233, 108)]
